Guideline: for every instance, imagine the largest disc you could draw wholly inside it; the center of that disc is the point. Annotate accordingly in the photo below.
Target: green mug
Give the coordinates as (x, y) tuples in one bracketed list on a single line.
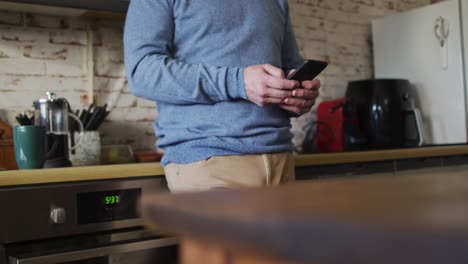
[(30, 146)]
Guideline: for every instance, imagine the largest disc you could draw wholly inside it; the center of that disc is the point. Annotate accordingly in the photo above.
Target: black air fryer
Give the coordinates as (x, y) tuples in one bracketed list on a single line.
[(382, 108)]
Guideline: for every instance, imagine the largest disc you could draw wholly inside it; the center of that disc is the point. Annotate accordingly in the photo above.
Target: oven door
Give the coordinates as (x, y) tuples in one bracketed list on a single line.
[(130, 246)]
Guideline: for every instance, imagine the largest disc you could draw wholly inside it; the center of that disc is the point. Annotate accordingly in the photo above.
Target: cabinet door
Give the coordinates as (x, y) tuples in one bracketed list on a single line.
[(406, 46)]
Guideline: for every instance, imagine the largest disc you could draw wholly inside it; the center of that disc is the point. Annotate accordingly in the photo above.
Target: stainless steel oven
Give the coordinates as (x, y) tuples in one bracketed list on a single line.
[(93, 222)]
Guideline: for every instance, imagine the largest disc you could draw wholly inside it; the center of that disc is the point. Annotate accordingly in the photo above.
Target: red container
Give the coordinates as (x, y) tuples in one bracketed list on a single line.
[(330, 119), (7, 151)]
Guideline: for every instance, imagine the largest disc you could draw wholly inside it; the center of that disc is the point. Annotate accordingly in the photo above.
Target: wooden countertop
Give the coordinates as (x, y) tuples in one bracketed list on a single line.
[(420, 218), (380, 155), (22, 177)]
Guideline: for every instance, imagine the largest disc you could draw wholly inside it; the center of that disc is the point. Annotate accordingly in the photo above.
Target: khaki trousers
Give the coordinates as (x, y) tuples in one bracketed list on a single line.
[(231, 172)]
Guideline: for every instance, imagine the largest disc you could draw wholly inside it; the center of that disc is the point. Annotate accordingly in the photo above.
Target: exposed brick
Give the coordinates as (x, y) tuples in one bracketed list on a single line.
[(79, 23), (65, 68), (349, 6), (341, 39), (10, 49), (111, 55), (139, 134), (46, 52), (10, 18), (9, 83), (116, 99), (22, 34), (43, 21), (21, 66), (21, 100), (110, 37), (337, 16), (314, 49), (133, 114), (106, 69), (109, 23), (102, 84), (39, 84), (69, 37)]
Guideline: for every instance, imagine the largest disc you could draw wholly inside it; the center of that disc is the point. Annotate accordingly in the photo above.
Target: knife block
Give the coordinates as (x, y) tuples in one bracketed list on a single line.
[(7, 150)]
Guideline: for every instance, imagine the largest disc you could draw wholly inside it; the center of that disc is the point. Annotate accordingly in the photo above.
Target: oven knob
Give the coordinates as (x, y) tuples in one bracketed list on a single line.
[(58, 215)]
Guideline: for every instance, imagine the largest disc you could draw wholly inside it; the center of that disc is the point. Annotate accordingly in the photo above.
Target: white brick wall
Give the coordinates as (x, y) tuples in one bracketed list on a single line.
[(39, 53)]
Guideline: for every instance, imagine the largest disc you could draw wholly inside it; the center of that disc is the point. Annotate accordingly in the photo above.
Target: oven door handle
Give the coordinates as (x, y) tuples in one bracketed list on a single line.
[(95, 252)]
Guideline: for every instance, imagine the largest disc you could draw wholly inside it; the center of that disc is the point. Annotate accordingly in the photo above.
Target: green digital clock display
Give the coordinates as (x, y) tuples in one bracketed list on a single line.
[(109, 205), (112, 199)]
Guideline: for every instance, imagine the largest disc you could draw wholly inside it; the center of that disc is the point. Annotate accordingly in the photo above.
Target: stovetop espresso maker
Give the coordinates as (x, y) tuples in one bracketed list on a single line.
[(53, 114)]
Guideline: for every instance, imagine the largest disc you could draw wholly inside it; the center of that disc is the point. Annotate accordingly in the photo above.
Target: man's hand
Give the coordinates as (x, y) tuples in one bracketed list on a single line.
[(266, 84), (303, 98)]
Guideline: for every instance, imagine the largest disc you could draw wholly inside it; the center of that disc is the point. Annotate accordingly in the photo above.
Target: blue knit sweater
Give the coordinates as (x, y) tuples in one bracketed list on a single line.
[(188, 56)]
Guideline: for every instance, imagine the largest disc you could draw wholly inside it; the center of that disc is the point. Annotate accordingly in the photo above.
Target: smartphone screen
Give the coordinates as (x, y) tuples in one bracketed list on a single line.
[(309, 70)]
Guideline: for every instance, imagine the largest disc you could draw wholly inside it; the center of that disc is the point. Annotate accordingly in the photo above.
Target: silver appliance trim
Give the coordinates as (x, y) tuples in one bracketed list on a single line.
[(95, 252)]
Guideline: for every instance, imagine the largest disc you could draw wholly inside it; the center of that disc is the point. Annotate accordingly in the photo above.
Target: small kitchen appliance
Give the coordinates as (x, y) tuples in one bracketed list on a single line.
[(329, 127), (333, 119), (385, 113), (53, 114)]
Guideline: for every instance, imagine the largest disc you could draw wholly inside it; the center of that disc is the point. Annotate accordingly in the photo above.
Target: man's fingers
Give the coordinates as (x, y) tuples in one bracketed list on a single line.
[(263, 100), (279, 83), (272, 70), (299, 102), (296, 109), (311, 84), (291, 108), (277, 93), (306, 94)]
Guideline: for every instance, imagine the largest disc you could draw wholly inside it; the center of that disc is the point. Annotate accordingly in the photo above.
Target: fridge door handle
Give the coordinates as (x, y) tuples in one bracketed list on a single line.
[(442, 30)]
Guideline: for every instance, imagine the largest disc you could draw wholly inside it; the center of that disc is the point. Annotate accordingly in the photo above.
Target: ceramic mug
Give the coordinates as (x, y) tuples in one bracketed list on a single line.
[(30, 143)]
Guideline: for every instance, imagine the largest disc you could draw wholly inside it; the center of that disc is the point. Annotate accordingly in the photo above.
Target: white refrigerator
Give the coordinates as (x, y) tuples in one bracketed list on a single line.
[(429, 47)]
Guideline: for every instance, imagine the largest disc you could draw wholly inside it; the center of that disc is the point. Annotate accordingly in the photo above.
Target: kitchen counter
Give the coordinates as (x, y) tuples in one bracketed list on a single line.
[(380, 155), (418, 218), (22, 177), (105, 172)]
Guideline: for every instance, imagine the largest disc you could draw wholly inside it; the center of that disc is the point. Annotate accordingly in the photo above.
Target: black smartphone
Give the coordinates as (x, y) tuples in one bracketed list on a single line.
[(309, 70)]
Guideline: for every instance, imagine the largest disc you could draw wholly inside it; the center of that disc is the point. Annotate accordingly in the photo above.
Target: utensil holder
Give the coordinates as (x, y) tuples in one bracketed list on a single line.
[(88, 153)]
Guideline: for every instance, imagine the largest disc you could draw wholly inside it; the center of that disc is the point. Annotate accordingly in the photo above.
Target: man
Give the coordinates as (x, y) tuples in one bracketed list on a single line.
[(216, 70)]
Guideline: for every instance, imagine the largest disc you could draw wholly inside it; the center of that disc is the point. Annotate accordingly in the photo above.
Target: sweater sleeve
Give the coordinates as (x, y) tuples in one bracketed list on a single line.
[(291, 58), (154, 74)]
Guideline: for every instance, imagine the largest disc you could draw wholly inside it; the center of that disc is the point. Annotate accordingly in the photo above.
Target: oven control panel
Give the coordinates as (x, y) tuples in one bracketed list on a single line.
[(110, 205)]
